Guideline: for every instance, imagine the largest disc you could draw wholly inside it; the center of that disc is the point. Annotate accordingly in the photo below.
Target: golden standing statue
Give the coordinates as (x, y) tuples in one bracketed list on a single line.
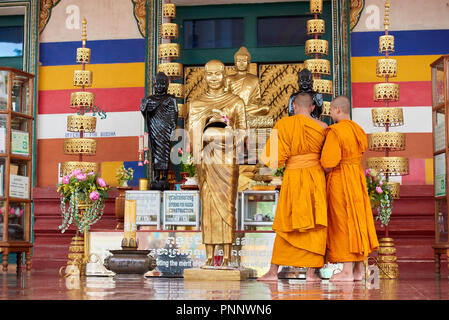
[(246, 85), (210, 119)]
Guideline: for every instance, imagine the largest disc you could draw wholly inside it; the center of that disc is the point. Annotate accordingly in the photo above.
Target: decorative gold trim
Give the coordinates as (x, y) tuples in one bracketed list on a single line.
[(169, 50), (316, 6), (83, 55), (322, 86), (82, 99), (140, 15), (82, 78), (169, 10), (395, 166), (77, 123), (45, 7), (386, 43), (68, 167), (182, 112), (393, 116), (382, 141), (326, 108), (80, 146), (316, 27), (386, 250), (176, 89), (386, 91), (317, 46), (171, 69), (318, 66), (260, 122), (169, 30), (356, 8)]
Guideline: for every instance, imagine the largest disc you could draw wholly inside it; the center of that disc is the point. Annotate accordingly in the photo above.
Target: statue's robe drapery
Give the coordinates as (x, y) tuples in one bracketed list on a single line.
[(161, 114), (301, 215), (217, 171), (351, 231), (248, 89)]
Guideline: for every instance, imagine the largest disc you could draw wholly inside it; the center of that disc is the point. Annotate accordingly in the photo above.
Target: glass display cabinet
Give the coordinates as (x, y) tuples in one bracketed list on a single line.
[(440, 74), (148, 207), (16, 136), (258, 208)]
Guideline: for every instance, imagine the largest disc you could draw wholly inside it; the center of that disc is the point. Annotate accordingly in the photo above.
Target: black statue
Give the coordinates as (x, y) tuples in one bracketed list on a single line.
[(305, 83), (160, 111)]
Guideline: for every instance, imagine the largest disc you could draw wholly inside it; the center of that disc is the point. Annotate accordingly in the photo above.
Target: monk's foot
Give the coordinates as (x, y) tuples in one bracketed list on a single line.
[(358, 271), (311, 276), (342, 277), (225, 263), (358, 276), (269, 276)]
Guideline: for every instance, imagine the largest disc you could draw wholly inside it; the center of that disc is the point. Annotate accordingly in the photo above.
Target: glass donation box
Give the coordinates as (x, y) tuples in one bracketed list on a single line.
[(258, 208), (148, 207), (440, 93), (16, 136)]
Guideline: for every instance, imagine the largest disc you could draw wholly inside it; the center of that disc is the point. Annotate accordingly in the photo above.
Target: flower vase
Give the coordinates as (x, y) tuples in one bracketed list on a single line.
[(120, 206)]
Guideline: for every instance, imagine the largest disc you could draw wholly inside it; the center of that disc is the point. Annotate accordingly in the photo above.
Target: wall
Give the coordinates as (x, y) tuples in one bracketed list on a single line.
[(421, 33), (118, 65)]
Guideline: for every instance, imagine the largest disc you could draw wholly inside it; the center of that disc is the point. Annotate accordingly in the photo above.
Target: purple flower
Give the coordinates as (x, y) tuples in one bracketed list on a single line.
[(91, 173), (81, 176), (94, 196), (381, 183), (65, 180), (101, 182), (379, 190), (75, 172)]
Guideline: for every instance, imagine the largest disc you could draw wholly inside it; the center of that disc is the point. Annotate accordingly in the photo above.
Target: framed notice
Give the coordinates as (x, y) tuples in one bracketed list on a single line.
[(20, 142), (148, 206), (440, 175), (19, 186), (439, 130), (181, 208)]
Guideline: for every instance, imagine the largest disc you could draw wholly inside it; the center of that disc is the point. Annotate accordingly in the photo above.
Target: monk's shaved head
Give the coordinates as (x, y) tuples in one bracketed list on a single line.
[(343, 103), (303, 100)]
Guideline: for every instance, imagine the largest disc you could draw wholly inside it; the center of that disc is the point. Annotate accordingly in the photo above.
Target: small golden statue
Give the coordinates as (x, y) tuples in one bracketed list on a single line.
[(246, 85), (212, 119)]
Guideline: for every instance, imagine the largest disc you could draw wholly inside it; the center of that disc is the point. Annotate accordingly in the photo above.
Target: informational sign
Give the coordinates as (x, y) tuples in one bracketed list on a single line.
[(19, 186), (181, 208), (440, 175), (148, 206), (439, 131), (19, 142)]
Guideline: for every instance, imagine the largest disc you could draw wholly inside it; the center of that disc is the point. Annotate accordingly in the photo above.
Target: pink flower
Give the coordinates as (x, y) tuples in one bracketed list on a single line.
[(379, 190), (226, 119), (12, 211), (367, 171), (180, 151), (94, 196), (66, 179), (81, 176), (140, 164), (1, 211), (101, 182), (146, 161), (75, 172), (381, 183), (20, 213), (91, 173)]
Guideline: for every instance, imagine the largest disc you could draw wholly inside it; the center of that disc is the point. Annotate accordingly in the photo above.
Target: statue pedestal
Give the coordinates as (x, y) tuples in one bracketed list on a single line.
[(213, 274)]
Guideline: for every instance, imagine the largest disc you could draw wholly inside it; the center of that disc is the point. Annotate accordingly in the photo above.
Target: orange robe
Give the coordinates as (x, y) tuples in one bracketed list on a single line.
[(351, 232), (301, 214)]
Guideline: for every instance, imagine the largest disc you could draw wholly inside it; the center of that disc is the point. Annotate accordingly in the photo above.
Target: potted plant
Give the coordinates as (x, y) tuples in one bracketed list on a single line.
[(188, 169), (278, 175), (123, 176), (380, 195), (82, 199)]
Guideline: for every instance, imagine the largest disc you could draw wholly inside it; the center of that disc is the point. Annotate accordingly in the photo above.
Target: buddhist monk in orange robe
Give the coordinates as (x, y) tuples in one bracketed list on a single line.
[(301, 215), (351, 232)]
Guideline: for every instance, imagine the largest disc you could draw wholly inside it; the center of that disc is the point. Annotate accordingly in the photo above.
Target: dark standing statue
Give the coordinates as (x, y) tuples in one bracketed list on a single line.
[(160, 111), (305, 82)]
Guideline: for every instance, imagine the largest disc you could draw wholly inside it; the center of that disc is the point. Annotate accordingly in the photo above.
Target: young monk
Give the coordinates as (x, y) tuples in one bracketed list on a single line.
[(301, 215), (351, 232)]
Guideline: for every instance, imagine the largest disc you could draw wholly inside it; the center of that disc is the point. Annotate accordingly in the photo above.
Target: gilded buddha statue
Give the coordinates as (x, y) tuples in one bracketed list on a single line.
[(210, 119), (246, 85)]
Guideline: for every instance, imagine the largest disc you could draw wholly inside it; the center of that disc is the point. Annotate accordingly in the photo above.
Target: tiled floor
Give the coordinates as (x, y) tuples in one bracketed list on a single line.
[(417, 282)]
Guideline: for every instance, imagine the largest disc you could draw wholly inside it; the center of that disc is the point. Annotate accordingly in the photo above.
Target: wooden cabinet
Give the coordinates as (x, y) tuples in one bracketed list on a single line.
[(16, 136), (440, 74)]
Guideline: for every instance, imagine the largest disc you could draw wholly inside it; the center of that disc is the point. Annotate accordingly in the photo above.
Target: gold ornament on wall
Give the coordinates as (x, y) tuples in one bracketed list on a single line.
[(315, 26), (83, 55), (386, 67), (322, 86), (386, 44), (171, 69), (382, 141), (318, 66), (386, 91), (176, 89), (316, 46), (82, 99), (394, 188), (76, 123), (68, 167), (169, 10), (316, 6), (82, 78), (393, 166), (169, 30), (77, 146), (169, 50), (326, 108), (392, 116)]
